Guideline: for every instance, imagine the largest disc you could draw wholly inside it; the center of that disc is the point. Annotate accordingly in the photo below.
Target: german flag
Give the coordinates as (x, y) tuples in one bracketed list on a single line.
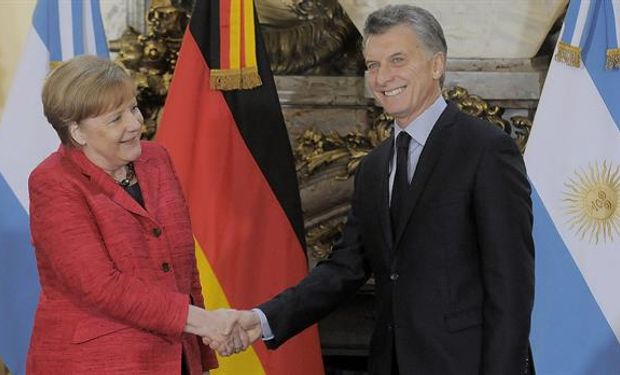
[(224, 129)]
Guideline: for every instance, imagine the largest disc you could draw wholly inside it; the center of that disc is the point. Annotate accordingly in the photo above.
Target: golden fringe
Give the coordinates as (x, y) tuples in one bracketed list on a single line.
[(570, 55), (250, 78), (613, 58), (225, 79), (235, 79)]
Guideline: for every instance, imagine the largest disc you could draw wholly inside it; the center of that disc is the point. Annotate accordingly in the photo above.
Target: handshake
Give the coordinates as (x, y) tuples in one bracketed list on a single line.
[(226, 331)]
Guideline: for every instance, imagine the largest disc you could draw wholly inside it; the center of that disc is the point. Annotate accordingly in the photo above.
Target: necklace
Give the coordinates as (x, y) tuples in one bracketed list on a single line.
[(130, 174)]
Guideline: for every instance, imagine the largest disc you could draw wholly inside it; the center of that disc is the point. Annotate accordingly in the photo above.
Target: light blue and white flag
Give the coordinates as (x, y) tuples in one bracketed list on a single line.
[(573, 160), (60, 30)]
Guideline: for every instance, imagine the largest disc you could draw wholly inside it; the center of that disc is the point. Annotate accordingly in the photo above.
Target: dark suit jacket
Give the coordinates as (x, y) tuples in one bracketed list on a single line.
[(116, 278), (455, 286)]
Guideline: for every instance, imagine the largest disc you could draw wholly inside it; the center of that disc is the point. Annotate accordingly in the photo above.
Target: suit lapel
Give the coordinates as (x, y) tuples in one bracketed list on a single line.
[(426, 164), (384, 153)]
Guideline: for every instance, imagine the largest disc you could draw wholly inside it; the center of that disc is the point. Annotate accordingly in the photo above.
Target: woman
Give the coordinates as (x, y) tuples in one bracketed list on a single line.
[(119, 287)]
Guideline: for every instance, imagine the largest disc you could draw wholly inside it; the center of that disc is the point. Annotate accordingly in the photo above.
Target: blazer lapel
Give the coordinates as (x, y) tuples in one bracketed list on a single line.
[(125, 200), (104, 181), (148, 177), (426, 164)]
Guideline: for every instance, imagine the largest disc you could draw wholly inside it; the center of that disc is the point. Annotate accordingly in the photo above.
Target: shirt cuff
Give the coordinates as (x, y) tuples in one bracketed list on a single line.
[(264, 325)]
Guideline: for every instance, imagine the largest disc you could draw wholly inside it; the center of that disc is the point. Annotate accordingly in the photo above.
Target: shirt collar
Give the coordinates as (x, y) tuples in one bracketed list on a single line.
[(420, 128)]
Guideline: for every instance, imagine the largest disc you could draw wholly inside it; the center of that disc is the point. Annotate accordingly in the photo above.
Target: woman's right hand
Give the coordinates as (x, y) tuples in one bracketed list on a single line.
[(218, 328)]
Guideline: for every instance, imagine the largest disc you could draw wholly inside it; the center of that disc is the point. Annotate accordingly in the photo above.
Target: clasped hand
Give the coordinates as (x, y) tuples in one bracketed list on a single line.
[(226, 331)]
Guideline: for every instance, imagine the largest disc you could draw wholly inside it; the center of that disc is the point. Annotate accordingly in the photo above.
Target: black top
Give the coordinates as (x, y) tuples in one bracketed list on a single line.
[(135, 192)]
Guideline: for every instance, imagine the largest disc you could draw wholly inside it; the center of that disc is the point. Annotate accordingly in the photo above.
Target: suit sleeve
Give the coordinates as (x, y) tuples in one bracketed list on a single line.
[(69, 245), (503, 216), (327, 286)]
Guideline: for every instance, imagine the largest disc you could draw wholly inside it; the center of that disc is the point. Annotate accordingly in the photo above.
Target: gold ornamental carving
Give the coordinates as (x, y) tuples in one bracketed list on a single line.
[(311, 37), (321, 238), (151, 57), (316, 149), (518, 127)]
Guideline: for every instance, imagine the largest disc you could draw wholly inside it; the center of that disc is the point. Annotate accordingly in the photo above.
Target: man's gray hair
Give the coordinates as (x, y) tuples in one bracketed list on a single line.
[(425, 26), (421, 21)]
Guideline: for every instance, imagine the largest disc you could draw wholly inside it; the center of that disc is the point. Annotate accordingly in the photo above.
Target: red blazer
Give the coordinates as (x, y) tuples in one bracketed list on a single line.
[(116, 279)]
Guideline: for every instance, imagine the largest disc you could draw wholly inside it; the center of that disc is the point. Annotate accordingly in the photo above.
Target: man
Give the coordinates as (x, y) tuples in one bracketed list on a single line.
[(441, 216)]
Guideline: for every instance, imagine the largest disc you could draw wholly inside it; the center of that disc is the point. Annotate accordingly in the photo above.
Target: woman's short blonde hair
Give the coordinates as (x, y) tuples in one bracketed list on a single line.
[(84, 87)]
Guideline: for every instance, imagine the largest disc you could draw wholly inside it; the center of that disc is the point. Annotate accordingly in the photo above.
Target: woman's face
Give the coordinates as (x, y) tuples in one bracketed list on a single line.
[(112, 139)]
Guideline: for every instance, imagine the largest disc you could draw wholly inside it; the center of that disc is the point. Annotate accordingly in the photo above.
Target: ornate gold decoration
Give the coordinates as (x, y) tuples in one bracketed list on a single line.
[(151, 58), (315, 149), (518, 127), (521, 127), (323, 40), (321, 238), (592, 202)]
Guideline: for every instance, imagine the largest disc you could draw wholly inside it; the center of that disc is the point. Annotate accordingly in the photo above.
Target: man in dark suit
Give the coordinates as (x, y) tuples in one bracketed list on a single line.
[(441, 216)]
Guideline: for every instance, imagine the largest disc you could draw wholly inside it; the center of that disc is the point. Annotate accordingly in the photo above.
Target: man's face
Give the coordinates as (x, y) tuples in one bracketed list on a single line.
[(401, 74)]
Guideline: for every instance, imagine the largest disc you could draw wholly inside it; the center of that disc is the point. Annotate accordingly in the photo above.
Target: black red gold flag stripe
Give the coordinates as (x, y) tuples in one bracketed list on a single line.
[(233, 157), (233, 60)]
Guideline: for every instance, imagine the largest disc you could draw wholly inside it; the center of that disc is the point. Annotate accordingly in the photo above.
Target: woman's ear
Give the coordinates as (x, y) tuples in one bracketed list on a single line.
[(76, 133)]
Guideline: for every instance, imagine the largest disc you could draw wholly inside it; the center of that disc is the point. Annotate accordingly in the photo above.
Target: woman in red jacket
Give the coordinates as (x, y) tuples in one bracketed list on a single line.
[(119, 287)]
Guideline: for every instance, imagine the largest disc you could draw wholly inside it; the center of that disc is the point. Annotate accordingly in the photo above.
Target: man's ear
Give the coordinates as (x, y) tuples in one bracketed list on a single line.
[(439, 65), (76, 133)]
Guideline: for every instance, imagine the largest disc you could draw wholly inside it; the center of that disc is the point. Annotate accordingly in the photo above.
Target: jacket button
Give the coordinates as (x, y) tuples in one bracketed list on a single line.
[(394, 276), (165, 267), (156, 232)]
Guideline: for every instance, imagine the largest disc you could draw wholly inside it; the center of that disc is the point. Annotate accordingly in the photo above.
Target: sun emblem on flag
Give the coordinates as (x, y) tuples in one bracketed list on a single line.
[(591, 201)]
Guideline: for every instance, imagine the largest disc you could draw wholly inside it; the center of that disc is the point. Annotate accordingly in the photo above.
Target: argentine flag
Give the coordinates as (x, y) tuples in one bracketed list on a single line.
[(60, 30), (573, 160)]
